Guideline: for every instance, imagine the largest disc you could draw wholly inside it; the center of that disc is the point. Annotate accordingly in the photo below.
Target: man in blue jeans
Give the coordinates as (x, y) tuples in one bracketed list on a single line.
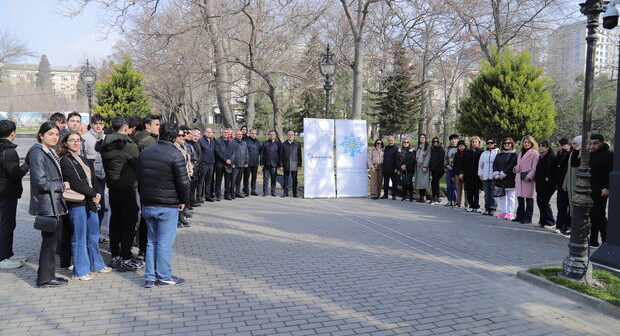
[(164, 191)]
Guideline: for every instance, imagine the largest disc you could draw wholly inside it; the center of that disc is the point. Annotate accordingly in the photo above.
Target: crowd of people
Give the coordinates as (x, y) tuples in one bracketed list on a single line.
[(155, 174), (510, 175)]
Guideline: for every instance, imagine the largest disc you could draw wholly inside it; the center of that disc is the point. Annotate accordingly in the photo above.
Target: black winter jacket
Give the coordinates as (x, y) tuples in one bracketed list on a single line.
[(437, 158), (601, 165), (46, 185), (459, 163), (290, 156), (224, 150), (73, 173), (470, 165), (505, 162), (390, 159), (270, 153), (546, 174), (407, 158), (561, 167), (11, 173), (253, 151), (162, 176), (120, 161)]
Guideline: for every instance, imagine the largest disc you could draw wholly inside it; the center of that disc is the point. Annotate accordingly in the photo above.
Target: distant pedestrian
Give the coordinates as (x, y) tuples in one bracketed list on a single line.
[(375, 164), (422, 172), (207, 147), (390, 168), (459, 172), (239, 163), (406, 169), (223, 165), (450, 174), (11, 174), (525, 170), (437, 167), (473, 185), (562, 221), (601, 165), (250, 173), (570, 180), (485, 173), (270, 160), (290, 162), (164, 191), (503, 166), (545, 183), (46, 201)]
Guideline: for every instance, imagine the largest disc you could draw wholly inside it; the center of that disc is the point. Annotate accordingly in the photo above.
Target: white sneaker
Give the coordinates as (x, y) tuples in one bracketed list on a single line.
[(19, 258), (10, 264), (86, 277)]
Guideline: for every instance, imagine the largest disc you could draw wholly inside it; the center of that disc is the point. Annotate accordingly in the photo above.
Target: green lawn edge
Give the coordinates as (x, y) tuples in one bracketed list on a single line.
[(610, 293)]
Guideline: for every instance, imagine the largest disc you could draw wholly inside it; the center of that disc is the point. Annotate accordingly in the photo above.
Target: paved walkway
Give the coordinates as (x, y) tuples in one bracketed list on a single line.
[(267, 266)]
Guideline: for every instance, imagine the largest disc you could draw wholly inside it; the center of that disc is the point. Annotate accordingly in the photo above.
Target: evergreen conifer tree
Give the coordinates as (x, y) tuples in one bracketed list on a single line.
[(398, 103), (509, 98), (123, 94), (44, 74)]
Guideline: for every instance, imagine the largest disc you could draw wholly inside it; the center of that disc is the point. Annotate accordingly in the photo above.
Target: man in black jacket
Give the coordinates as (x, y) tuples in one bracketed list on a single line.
[(205, 177), (269, 159), (11, 174), (249, 173), (164, 191), (239, 162), (545, 183), (563, 219), (390, 165), (223, 166), (120, 161), (290, 162), (601, 165)]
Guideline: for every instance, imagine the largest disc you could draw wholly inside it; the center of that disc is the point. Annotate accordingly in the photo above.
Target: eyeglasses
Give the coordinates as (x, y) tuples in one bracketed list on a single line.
[(74, 141)]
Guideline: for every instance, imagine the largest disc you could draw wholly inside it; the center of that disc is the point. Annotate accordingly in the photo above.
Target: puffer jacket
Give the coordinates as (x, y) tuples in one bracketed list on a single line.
[(120, 160), (46, 184), (11, 173), (485, 163), (406, 157), (144, 139), (162, 176)]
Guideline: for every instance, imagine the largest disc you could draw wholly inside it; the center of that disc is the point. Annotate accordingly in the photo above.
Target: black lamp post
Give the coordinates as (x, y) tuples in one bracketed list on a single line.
[(609, 252), (327, 66), (89, 77), (577, 265)]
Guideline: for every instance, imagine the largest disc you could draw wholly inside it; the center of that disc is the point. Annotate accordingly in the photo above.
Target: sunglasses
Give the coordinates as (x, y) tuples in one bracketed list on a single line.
[(435, 140), (491, 143), (507, 143), (180, 135), (405, 141)]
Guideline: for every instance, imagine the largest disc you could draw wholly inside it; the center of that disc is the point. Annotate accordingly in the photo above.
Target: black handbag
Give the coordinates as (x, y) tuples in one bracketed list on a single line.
[(524, 175), (499, 191), (46, 223), (405, 180)]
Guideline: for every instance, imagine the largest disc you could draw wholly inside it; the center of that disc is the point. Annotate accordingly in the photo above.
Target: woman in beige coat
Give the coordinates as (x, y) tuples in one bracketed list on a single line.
[(375, 164)]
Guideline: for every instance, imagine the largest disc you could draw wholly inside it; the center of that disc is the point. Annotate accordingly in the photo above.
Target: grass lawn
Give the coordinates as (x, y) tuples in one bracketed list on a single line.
[(609, 289)]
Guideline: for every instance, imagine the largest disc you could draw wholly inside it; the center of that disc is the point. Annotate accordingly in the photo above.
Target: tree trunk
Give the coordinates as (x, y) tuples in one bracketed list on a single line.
[(358, 76), (277, 112), (250, 112), (222, 77)]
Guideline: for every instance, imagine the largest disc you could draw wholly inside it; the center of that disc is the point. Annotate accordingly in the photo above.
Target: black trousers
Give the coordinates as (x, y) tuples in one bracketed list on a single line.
[(47, 257), (525, 209), (285, 186), (205, 181), (387, 176), (436, 176), (407, 191), (237, 176), (63, 247), (103, 209), (142, 235), (472, 191), (249, 179), (544, 207), (269, 178), (8, 209), (193, 187), (563, 219), (598, 218), (228, 182), (123, 222)]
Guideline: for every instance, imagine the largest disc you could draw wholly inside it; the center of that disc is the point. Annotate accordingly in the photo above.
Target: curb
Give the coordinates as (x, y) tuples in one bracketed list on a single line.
[(598, 304)]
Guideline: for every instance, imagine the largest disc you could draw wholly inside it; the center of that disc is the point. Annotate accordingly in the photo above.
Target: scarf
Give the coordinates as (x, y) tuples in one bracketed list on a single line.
[(85, 167), (420, 153)]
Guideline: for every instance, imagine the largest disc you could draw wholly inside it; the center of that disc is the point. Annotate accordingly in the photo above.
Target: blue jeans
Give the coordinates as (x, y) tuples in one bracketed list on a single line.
[(85, 241), (161, 223), (489, 201), (450, 186)]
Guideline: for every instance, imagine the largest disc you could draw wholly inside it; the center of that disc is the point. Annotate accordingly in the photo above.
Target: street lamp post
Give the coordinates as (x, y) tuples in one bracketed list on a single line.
[(609, 252), (89, 77), (577, 265), (327, 66)]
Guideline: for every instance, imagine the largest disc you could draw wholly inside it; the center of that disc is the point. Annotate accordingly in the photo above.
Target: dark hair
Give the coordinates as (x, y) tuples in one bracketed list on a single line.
[(96, 118), (168, 131), (58, 116), (598, 137), (135, 122), (510, 140), (453, 136), (184, 128), (435, 139), (274, 131), (61, 147), (425, 142), (243, 127), (118, 123), (74, 114), (6, 128), (380, 142), (44, 128), (544, 143), (461, 142), (149, 118), (563, 141)]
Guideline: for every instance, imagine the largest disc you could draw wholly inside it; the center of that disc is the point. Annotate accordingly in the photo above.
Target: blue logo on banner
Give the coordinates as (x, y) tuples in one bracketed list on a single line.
[(352, 145)]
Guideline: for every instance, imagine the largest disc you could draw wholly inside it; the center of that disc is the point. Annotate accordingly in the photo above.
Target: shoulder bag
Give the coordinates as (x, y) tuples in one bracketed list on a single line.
[(47, 223), (71, 195)]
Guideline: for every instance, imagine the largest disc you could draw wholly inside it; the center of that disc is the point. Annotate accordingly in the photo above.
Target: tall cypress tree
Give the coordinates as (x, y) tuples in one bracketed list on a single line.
[(508, 98), (44, 74), (123, 94), (398, 103)]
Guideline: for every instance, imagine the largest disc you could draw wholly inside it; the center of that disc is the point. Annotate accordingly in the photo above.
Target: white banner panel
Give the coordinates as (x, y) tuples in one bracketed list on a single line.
[(351, 158), (319, 181)]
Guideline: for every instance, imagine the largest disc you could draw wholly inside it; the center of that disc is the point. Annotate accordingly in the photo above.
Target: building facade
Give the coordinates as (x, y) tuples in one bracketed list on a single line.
[(64, 79)]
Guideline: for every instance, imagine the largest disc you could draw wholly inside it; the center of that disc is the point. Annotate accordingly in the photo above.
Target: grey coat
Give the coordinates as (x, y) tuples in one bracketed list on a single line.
[(46, 184), (240, 153), (290, 156), (423, 179)]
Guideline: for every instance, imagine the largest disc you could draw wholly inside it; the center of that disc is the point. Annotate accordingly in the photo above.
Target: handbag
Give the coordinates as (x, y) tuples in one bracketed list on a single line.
[(46, 223), (499, 191), (405, 180), (71, 195), (524, 175)]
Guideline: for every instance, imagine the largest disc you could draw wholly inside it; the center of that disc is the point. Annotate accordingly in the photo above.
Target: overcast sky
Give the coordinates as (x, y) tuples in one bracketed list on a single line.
[(65, 41)]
